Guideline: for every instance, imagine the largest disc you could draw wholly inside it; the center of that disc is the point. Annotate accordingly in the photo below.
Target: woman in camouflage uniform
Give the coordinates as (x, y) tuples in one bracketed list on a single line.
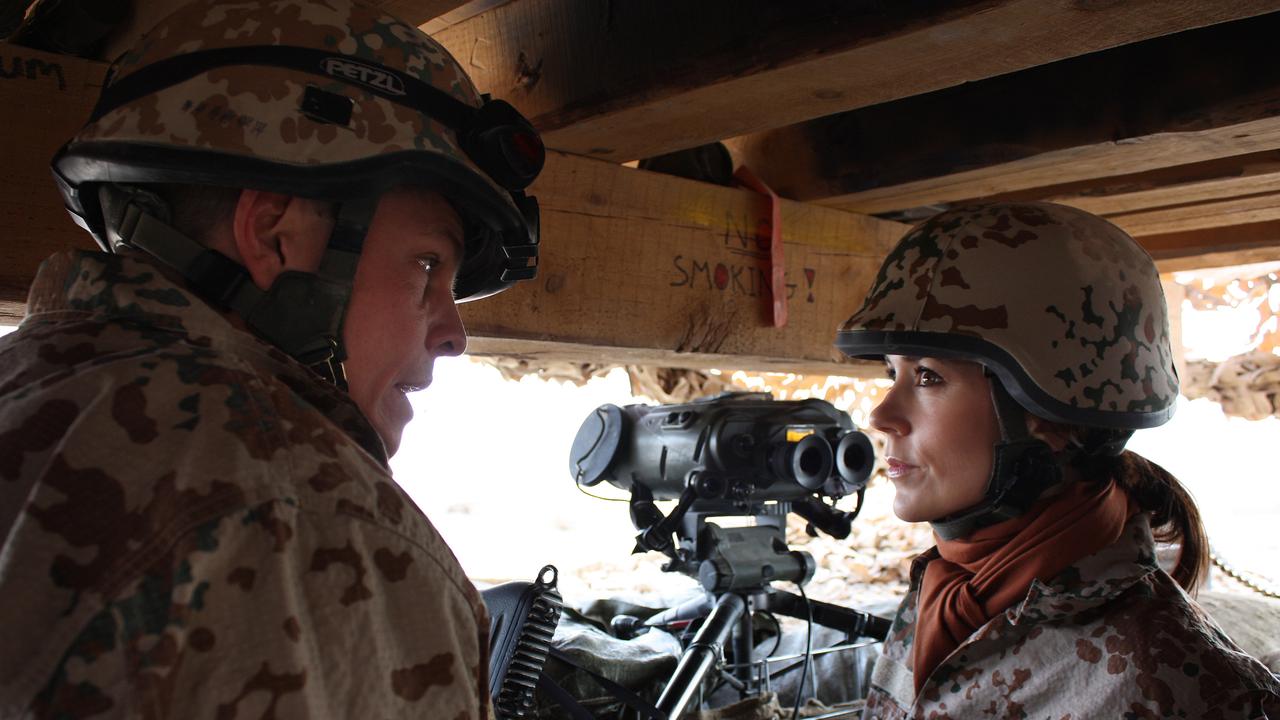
[(1026, 343)]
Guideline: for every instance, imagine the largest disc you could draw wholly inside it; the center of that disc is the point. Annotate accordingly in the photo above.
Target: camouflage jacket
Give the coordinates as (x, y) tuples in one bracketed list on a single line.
[(195, 526), (1112, 636)]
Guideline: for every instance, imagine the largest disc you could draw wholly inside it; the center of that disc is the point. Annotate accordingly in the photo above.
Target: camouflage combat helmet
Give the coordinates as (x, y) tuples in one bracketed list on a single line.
[(328, 100), (1061, 307)]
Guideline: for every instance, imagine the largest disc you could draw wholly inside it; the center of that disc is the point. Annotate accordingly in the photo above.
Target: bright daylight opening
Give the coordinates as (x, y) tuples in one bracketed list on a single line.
[(488, 460)]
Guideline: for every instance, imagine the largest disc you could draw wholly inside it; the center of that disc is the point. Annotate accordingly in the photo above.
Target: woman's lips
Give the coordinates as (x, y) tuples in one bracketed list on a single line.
[(898, 468)]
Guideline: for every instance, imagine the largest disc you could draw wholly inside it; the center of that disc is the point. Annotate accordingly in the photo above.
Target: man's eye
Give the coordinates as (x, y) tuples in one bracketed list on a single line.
[(427, 264)]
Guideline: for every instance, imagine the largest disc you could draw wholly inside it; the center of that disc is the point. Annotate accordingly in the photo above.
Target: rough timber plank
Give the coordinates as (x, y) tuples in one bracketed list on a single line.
[(645, 268), (636, 266), (623, 80), (1216, 247), (418, 12), (1197, 96), (46, 99), (1222, 179), (1201, 216)]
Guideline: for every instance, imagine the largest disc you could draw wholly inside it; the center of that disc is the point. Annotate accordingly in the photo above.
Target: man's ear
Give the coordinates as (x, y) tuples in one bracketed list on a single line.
[(275, 232), (1056, 435)]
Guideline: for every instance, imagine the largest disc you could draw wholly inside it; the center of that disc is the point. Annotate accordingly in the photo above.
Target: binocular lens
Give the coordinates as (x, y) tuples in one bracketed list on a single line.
[(855, 458), (811, 461)]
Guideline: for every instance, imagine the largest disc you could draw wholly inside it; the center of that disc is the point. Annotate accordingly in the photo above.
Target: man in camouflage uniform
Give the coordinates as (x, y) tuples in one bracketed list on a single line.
[(1065, 315), (195, 504)]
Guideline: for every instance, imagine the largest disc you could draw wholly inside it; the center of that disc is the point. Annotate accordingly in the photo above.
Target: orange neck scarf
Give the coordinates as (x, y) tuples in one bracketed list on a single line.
[(984, 574)]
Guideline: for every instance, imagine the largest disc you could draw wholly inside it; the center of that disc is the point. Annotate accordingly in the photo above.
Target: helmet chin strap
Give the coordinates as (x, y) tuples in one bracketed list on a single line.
[(301, 313), (1023, 468)]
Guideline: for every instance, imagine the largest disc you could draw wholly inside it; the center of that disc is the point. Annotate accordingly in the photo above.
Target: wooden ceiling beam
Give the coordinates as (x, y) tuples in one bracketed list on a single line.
[(643, 268), (1197, 96), (47, 98), (418, 12), (1211, 215), (635, 266), (622, 81), (1219, 179), (1216, 247)]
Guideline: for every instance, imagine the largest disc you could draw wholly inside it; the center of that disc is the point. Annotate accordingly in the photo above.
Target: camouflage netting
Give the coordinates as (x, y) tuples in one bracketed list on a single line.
[(871, 564), (875, 560), (1246, 386)]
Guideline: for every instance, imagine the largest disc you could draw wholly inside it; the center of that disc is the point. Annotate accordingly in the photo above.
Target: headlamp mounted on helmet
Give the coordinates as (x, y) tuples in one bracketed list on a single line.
[(495, 137)]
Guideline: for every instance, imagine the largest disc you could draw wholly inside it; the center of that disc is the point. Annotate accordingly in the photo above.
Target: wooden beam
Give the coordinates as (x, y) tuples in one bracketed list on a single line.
[(1217, 179), (418, 12), (46, 98), (1216, 247), (621, 80), (636, 267), (1201, 216), (463, 12), (643, 268), (1197, 96)]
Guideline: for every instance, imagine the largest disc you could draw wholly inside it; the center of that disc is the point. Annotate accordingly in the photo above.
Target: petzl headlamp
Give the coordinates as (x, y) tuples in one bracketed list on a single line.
[(502, 237)]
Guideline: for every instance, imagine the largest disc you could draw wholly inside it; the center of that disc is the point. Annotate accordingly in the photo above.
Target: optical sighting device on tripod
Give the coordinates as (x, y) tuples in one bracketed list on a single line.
[(739, 455)]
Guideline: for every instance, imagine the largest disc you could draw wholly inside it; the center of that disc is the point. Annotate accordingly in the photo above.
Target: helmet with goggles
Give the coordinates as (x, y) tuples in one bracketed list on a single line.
[(333, 101), (1063, 309)]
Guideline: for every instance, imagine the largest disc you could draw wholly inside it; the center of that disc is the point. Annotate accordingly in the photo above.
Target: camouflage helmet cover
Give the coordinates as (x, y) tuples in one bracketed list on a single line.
[(255, 126), (1062, 306)]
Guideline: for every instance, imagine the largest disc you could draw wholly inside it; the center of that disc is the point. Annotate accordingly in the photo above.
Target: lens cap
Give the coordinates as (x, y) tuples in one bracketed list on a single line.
[(595, 445)]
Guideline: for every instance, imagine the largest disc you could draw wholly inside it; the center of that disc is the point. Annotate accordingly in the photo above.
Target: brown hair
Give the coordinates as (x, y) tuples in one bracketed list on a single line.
[(196, 210), (1174, 515)]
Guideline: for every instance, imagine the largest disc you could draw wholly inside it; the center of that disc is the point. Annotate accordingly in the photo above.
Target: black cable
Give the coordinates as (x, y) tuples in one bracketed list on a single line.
[(777, 624), (808, 652)]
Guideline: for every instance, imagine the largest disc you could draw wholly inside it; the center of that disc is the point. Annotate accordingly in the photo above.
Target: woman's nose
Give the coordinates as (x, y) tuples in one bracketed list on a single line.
[(887, 417)]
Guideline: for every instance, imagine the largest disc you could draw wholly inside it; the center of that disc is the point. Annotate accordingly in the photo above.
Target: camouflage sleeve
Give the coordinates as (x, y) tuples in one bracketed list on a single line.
[(284, 612)]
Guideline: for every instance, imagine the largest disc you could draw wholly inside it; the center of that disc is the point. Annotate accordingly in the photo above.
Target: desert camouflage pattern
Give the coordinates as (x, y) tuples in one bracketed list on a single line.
[(1075, 301), (195, 526), (1111, 637), (254, 111)]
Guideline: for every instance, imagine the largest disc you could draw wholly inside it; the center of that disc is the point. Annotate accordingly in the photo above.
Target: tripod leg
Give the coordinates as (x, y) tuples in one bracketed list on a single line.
[(701, 655), (743, 647)]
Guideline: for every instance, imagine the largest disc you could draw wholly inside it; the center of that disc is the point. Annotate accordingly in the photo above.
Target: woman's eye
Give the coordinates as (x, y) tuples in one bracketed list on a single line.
[(926, 377)]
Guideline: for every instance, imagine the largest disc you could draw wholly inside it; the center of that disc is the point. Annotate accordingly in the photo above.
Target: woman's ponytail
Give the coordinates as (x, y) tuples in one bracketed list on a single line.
[(1174, 515)]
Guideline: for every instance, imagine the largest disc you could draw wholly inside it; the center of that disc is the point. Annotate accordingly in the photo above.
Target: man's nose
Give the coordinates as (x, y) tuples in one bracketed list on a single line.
[(448, 336)]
